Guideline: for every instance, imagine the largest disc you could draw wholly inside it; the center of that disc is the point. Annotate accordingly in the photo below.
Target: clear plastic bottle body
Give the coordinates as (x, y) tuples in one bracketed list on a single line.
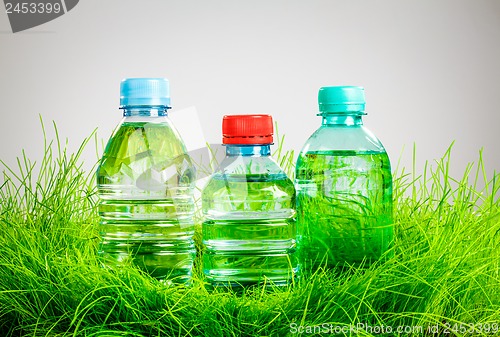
[(344, 195), (145, 183), (249, 220)]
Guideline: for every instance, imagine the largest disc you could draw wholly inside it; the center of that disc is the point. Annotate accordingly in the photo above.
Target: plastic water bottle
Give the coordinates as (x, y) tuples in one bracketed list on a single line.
[(145, 182), (344, 187), (248, 205)]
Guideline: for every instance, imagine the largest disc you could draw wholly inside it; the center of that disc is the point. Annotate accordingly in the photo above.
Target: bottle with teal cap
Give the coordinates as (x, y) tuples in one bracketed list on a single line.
[(344, 187), (145, 183), (249, 210)]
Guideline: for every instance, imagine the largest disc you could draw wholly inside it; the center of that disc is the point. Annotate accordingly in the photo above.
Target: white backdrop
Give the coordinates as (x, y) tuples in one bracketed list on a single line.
[(431, 69)]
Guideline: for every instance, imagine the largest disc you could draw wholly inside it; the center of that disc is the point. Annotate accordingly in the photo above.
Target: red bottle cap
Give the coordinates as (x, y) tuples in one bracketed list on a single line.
[(247, 129)]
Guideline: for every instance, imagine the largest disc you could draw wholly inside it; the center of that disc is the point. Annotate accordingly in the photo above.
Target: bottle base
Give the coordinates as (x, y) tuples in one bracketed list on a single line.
[(241, 285), (246, 268), (166, 267)]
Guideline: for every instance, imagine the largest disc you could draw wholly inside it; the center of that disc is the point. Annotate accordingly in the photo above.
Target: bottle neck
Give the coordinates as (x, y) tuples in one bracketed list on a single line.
[(342, 119), (145, 110), (248, 150)]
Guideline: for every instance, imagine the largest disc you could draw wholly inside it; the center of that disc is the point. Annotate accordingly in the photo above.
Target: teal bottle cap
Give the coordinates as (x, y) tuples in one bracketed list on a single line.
[(145, 91), (341, 99)]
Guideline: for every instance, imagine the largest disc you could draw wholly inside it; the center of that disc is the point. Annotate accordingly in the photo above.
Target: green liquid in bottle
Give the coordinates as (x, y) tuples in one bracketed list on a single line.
[(249, 232), (146, 206), (344, 207)]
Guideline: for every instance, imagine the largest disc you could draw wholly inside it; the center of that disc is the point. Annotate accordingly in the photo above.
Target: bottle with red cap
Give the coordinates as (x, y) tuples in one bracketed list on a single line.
[(249, 209)]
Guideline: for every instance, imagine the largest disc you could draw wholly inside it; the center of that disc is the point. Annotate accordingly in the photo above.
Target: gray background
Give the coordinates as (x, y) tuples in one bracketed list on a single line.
[(430, 69)]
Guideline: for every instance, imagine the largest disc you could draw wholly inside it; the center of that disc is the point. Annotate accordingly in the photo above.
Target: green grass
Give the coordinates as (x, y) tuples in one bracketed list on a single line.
[(445, 272)]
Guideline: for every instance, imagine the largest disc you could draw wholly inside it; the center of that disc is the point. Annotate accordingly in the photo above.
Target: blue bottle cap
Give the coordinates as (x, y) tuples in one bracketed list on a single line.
[(145, 91), (341, 99)]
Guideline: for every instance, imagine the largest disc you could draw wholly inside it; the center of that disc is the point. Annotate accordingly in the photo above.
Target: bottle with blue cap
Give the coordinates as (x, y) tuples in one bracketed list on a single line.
[(344, 187), (145, 183)]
